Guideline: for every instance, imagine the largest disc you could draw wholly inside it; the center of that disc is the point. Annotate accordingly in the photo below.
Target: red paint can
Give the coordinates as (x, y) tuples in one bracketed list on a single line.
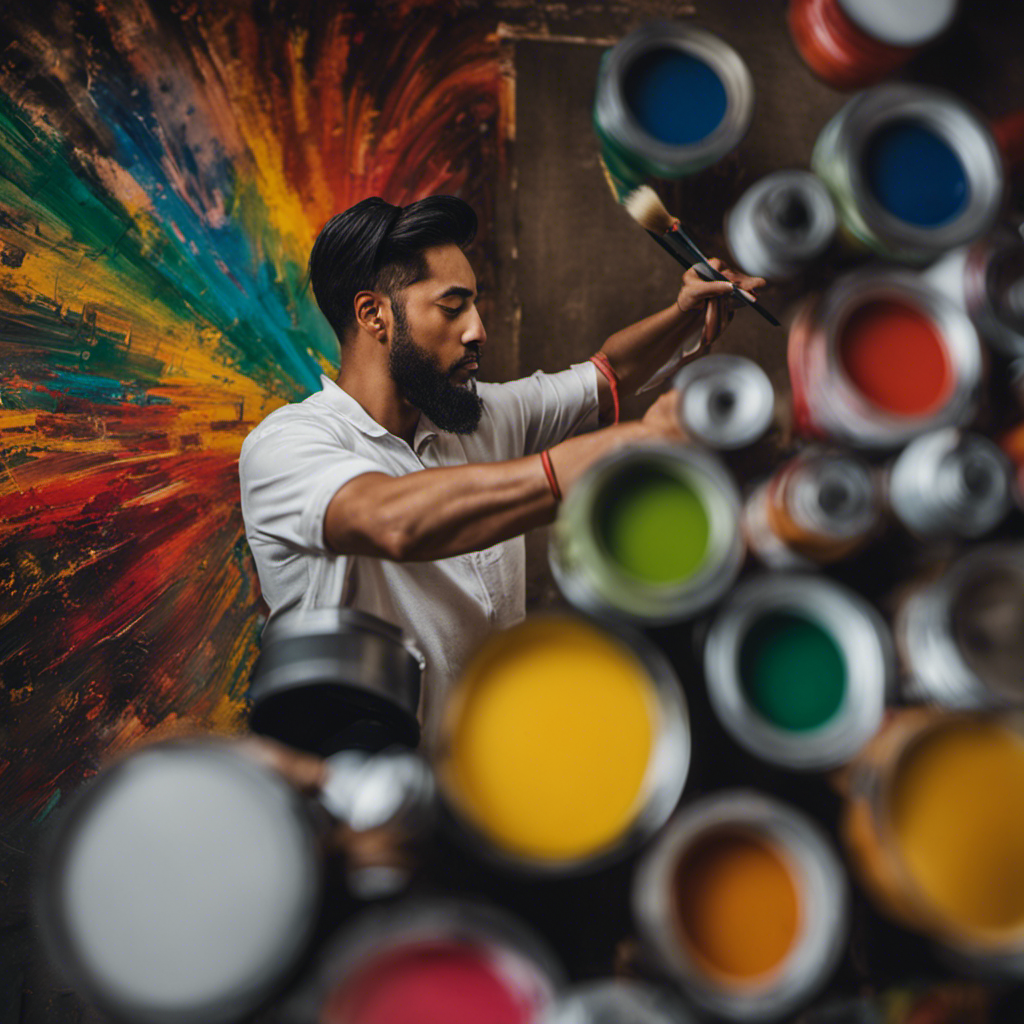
[(855, 43)]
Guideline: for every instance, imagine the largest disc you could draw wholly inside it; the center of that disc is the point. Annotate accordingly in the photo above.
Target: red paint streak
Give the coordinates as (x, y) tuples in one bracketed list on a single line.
[(895, 357), (436, 984)]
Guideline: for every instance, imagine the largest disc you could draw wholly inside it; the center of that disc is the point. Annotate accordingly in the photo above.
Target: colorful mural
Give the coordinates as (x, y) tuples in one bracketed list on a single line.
[(164, 169)]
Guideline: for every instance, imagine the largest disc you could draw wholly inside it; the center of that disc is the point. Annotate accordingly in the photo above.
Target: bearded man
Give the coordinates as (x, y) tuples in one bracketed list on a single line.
[(404, 488)]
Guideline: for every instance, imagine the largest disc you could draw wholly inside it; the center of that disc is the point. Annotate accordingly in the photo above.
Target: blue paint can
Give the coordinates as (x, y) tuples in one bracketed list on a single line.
[(671, 100), (913, 171)]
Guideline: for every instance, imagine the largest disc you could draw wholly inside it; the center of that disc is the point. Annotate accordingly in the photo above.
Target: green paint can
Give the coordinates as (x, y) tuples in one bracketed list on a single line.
[(648, 535), (798, 669)]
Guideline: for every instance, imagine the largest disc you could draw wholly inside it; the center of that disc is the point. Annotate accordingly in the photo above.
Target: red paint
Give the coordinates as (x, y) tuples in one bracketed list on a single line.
[(836, 50), (895, 356), (439, 983)]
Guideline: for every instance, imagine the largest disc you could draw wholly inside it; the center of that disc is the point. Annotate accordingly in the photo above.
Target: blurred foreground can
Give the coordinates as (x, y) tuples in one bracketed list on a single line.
[(743, 902)]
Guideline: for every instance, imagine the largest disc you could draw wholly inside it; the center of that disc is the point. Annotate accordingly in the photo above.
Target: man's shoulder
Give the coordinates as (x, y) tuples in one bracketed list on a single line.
[(309, 417)]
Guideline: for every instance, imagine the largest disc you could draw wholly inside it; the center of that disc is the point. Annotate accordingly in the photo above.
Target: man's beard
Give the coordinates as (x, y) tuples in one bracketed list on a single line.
[(451, 407)]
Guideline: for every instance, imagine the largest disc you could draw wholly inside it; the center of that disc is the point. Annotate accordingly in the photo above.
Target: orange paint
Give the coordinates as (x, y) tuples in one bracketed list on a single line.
[(737, 905), (895, 357)]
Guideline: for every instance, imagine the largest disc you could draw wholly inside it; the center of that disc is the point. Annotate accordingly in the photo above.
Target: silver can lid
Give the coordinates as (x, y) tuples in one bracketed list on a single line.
[(726, 401)]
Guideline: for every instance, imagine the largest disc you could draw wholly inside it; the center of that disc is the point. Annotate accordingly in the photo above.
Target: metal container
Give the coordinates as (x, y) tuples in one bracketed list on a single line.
[(368, 960), (183, 884), (960, 633), (665, 775), (839, 160), (817, 508), (630, 149), (817, 876), (594, 582), (871, 838), (621, 1001), (330, 679), (950, 483), (986, 279), (854, 43), (864, 647), (781, 224), (829, 404), (725, 401)]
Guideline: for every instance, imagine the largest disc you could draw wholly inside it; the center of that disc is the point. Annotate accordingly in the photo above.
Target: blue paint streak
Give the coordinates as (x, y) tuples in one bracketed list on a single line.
[(47, 810), (915, 175), (675, 98), (101, 390)]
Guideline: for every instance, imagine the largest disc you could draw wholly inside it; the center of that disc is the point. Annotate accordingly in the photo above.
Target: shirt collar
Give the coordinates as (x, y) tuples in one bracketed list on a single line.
[(360, 418)]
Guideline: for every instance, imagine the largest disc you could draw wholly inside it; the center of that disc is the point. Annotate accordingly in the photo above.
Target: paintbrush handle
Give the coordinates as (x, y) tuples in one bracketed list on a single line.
[(681, 240)]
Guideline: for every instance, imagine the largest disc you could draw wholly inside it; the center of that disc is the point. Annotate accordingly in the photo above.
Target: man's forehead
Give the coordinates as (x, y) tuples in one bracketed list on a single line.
[(447, 267)]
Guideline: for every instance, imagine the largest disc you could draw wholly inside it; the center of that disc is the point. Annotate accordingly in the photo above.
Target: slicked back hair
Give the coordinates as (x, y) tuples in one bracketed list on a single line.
[(374, 246)]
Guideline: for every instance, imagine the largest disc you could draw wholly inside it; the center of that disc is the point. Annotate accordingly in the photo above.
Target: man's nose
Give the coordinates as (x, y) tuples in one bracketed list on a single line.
[(475, 333)]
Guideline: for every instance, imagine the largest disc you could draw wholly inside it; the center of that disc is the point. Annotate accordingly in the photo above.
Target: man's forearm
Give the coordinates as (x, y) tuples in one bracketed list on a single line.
[(638, 351), (448, 511)]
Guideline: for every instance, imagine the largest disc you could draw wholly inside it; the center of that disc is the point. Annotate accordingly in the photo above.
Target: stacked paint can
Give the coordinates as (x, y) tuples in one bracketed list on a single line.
[(743, 902), (934, 826), (649, 535), (818, 507), (881, 357), (798, 669), (670, 101), (854, 43), (913, 171)]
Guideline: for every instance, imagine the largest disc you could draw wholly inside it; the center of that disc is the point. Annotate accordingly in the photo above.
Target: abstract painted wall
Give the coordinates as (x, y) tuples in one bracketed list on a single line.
[(164, 169)]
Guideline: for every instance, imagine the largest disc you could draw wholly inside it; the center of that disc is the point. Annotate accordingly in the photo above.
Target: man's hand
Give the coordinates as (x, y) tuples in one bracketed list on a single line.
[(715, 297), (662, 418)]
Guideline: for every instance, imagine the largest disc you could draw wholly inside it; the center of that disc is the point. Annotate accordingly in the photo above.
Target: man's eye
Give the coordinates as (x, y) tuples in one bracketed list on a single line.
[(452, 311)]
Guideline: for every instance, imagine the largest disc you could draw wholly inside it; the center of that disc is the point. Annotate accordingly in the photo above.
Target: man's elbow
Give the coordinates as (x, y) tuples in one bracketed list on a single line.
[(371, 532)]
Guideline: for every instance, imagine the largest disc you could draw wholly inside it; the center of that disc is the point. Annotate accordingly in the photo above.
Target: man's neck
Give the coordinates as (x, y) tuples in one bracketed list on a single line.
[(370, 384)]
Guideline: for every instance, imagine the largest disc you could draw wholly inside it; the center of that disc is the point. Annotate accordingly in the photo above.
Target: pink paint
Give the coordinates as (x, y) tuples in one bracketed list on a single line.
[(435, 983)]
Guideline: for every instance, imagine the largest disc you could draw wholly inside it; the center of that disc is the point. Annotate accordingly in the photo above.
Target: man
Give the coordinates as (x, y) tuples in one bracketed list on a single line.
[(403, 488)]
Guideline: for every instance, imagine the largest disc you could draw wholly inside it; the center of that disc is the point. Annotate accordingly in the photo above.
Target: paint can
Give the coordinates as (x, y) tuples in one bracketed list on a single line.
[(854, 43), (881, 357), (798, 669), (671, 100), (619, 1001), (913, 171), (818, 507), (330, 679), (744, 903), (648, 535), (608, 754), (987, 280), (781, 224), (950, 484), (450, 960), (933, 826), (960, 632), (183, 884), (725, 401)]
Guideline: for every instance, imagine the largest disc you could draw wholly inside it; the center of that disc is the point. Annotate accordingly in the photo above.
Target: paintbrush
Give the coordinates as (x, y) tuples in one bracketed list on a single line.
[(646, 208)]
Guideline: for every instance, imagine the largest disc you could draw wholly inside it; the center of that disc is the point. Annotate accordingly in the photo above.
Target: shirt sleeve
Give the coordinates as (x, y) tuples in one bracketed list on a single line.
[(546, 408), (288, 474)]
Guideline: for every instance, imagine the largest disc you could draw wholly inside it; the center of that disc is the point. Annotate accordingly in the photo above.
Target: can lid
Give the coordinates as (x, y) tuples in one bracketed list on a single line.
[(727, 401), (901, 23)]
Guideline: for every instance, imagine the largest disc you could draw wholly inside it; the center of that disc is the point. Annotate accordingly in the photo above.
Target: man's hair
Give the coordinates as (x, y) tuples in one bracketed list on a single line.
[(374, 246)]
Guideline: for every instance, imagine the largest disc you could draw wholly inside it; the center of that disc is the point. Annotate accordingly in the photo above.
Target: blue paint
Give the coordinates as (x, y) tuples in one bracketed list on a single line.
[(915, 174), (675, 97), (48, 809)]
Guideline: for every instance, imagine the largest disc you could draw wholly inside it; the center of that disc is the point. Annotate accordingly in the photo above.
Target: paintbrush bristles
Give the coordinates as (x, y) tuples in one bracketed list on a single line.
[(644, 205)]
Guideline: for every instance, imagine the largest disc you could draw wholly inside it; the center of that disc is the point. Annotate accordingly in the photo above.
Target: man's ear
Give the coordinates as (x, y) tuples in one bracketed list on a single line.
[(372, 313)]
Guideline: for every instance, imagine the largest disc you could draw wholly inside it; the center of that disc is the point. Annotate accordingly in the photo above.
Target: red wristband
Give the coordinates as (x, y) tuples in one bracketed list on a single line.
[(549, 472), (601, 361)]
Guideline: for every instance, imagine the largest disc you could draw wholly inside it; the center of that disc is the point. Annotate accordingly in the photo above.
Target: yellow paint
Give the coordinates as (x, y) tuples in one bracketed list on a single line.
[(957, 813), (551, 733), (737, 905)]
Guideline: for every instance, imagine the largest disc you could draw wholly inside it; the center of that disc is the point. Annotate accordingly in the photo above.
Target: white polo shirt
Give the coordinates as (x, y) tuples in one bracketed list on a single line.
[(294, 462)]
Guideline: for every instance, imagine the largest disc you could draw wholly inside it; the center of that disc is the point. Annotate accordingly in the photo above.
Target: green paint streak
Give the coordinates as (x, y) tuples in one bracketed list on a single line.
[(45, 812), (792, 671), (653, 525)]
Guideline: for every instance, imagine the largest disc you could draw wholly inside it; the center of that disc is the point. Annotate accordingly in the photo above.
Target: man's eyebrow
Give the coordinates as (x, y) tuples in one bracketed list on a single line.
[(457, 289)]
